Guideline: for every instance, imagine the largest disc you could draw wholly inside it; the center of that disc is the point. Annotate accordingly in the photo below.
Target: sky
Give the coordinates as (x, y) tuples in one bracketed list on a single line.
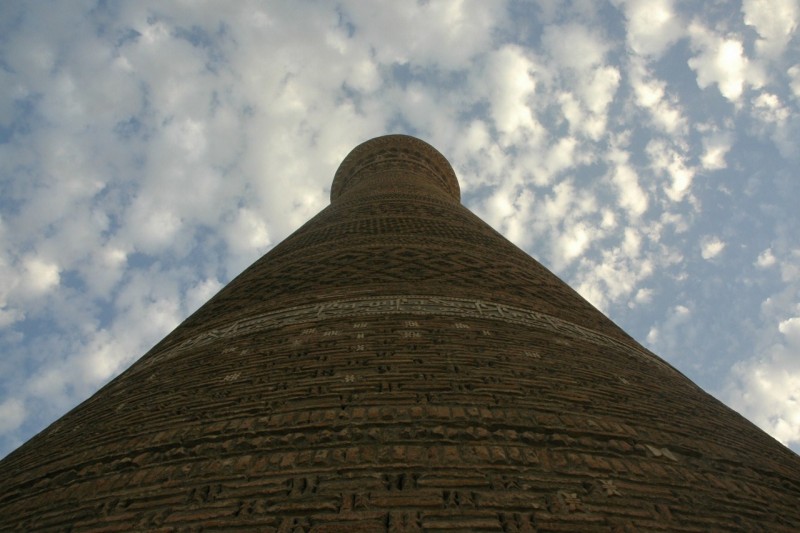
[(643, 150)]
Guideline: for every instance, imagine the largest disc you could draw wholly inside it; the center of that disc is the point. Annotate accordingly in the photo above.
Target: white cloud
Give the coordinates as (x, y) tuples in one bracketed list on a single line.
[(482, 160), (794, 80), (766, 389), (247, 232), (12, 414), (558, 205), (765, 259), (597, 93), (650, 93), (517, 228), (715, 147), (200, 293), (600, 91), (774, 20), (665, 338), (666, 159), (512, 82), (574, 46), (711, 247), (790, 328), (499, 207), (102, 358), (653, 26), (574, 241), (613, 279), (609, 219), (778, 121), (40, 275), (447, 34), (572, 110), (588, 84), (9, 315), (508, 210), (152, 228), (643, 296), (48, 382), (187, 137), (631, 196), (721, 60), (769, 108), (560, 156), (790, 270), (104, 269), (567, 203)]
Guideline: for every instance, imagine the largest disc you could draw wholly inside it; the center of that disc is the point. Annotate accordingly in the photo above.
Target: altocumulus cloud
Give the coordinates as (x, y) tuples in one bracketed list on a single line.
[(645, 151)]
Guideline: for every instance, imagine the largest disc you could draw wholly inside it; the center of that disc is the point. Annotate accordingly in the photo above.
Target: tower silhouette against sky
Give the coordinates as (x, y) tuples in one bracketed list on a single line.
[(397, 365)]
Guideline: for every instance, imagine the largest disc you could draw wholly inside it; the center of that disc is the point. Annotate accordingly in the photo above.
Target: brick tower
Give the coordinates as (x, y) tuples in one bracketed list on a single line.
[(397, 365)]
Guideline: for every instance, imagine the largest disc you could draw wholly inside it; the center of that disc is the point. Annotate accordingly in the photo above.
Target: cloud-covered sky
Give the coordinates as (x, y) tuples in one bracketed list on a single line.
[(646, 151)]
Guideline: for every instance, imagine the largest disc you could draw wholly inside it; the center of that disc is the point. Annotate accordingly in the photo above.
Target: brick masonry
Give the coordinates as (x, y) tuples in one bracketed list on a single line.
[(397, 365)]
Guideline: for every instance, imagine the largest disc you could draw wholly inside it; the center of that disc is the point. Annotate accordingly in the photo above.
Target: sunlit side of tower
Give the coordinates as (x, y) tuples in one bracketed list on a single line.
[(397, 365)]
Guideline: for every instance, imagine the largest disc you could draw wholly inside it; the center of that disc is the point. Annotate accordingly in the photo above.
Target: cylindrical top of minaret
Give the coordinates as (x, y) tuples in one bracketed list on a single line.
[(394, 162)]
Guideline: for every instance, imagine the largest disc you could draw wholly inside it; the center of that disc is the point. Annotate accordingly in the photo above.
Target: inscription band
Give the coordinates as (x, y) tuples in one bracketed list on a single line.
[(390, 305)]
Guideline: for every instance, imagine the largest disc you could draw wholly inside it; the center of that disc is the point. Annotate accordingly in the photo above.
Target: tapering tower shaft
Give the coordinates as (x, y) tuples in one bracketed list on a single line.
[(396, 364)]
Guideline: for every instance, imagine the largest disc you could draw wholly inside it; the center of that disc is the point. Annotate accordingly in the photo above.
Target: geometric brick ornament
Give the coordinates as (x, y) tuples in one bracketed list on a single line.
[(397, 365)]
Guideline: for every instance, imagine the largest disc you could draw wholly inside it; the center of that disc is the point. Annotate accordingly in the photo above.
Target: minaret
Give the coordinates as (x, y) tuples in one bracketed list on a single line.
[(397, 365)]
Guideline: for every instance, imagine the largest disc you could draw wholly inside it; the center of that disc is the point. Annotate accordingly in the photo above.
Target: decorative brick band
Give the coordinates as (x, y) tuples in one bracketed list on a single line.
[(406, 305)]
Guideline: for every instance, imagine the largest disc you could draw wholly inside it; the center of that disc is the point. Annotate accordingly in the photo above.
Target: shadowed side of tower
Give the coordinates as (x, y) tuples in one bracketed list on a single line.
[(397, 365)]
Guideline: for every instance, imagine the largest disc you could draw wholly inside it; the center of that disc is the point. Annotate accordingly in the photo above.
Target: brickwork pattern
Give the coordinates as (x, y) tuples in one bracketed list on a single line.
[(396, 365)]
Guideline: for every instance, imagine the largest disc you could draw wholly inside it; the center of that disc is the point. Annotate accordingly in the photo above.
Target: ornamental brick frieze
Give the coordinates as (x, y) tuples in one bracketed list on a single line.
[(415, 305)]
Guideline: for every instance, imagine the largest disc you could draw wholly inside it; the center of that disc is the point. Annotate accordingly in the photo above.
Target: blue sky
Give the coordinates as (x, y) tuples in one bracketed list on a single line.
[(643, 150)]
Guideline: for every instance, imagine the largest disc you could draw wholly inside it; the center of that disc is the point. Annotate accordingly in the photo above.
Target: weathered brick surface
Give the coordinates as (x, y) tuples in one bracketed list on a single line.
[(396, 365)]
